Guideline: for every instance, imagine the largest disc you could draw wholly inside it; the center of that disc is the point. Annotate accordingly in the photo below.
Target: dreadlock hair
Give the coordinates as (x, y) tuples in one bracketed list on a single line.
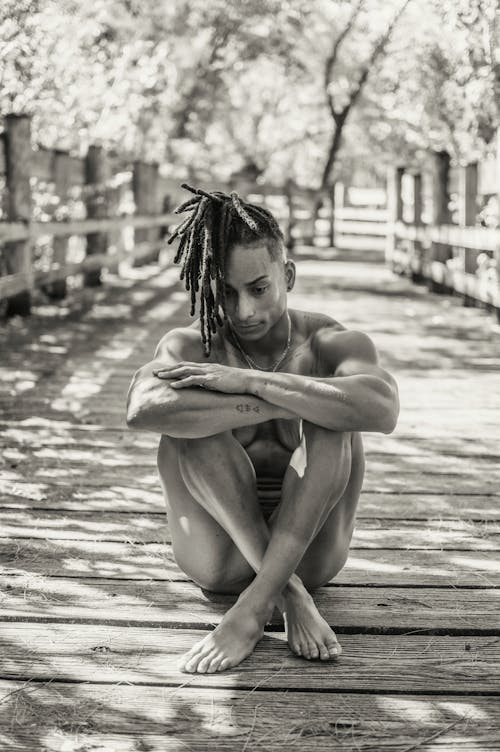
[(216, 222)]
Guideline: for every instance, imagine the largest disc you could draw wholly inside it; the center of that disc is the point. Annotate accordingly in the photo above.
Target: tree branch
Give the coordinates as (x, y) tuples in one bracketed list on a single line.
[(341, 117), (377, 51), (332, 58)]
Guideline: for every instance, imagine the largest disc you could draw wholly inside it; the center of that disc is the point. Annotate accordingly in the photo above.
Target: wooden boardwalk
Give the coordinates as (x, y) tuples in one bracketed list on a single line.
[(95, 612)]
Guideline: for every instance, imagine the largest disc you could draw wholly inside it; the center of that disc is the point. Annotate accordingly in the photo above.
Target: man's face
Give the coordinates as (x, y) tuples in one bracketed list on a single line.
[(256, 289)]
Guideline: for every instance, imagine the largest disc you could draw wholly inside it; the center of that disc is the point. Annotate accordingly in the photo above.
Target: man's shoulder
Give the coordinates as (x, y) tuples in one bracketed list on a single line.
[(181, 343), (309, 323), (334, 343)]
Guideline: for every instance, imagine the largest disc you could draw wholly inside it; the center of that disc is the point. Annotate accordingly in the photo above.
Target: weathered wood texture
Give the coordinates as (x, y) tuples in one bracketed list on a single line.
[(151, 654), (359, 609), (161, 719), (95, 611)]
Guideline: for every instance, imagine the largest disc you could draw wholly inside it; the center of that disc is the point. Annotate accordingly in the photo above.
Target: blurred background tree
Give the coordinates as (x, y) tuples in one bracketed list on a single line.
[(262, 88)]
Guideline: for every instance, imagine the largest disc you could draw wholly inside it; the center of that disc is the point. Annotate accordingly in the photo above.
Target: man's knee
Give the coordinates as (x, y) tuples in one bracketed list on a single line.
[(330, 451), (316, 573), (205, 446), (340, 441), (194, 453), (321, 576)]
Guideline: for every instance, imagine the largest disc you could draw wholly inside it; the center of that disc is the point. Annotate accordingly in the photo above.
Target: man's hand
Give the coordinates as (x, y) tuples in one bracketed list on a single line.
[(212, 376)]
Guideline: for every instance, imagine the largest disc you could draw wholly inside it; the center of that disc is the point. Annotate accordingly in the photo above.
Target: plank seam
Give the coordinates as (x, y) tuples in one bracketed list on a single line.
[(256, 688), (270, 629), (416, 586)]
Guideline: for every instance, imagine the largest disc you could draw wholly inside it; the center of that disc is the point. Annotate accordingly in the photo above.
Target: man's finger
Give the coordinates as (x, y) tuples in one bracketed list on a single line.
[(188, 381), (176, 372)]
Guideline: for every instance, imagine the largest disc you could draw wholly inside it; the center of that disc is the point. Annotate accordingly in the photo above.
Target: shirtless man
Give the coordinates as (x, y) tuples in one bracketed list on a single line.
[(269, 391)]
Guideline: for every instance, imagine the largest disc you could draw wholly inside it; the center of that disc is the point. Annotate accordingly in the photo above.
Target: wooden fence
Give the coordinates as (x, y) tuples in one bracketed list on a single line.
[(100, 181), (461, 258), (104, 210)]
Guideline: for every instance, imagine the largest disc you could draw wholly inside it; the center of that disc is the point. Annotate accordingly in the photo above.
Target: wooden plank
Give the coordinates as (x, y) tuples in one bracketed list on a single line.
[(126, 453), (376, 480), (425, 422), (127, 460), (152, 528), (60, 558), (381, 506), (421, 506), (38, 434), (57, 716), (346, 608), (376, 663), (457, 446)]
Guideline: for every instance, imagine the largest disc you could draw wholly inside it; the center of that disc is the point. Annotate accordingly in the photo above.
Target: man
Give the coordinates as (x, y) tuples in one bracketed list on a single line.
[(268, 392)]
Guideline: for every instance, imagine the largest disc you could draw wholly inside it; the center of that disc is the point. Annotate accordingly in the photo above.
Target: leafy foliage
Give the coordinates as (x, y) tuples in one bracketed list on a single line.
[(225, 87)]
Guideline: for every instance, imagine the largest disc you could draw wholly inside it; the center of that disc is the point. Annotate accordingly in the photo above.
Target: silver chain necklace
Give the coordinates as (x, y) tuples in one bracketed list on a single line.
[(253, 364)]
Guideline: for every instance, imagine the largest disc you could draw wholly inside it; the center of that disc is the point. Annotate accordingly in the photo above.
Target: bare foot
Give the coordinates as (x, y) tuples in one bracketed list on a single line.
[(308, 634), (230, 642)]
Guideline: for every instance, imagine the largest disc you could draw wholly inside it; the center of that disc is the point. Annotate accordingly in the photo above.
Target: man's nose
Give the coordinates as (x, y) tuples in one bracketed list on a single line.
[(245, 307)]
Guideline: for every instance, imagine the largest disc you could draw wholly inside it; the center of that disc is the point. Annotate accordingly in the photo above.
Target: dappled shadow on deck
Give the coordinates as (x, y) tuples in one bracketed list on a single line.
[(98, 612)]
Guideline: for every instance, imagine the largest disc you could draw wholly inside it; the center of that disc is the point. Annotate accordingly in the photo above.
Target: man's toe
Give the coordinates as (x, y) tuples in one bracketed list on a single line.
[(323, 652), (334, 648), (191, 664), (204, 663), (215, 663), (313, 650)]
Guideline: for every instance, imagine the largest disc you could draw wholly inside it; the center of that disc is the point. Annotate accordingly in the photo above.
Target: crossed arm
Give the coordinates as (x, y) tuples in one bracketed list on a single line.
[(180, 396)]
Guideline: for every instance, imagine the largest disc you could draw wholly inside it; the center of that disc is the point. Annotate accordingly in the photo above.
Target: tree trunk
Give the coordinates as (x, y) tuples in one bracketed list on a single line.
[(326, 183)]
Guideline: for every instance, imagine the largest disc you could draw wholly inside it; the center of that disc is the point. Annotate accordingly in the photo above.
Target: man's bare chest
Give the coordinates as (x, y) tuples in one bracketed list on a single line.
[(280, 436)]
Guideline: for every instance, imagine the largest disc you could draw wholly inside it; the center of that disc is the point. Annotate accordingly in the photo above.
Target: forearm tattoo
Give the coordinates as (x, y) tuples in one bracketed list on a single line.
[(246, 408)]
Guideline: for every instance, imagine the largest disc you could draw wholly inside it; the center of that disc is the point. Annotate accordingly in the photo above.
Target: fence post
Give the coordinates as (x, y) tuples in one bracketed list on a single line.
[(395, 213), (141, 187), (289, 239), (441, 214), (19, 205), (96, 202), (467, 212), (336, 202), (497, 252), (155, 208), (166, 207), (417, 265), (61, 176)]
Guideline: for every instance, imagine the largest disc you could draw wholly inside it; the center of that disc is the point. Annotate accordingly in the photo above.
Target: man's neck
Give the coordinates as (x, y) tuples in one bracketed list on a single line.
[(268, 349)]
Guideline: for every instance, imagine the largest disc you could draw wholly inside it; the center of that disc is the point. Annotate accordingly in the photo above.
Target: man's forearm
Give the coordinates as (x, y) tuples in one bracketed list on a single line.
[(349, 403), (196, 413)]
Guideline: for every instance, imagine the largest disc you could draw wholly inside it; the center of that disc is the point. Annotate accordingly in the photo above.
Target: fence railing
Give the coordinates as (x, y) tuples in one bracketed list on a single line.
[(63, 215), (461, 258), (116, 207)]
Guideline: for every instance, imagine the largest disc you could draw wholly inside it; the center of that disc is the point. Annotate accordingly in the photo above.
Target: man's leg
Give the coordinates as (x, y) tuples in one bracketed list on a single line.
[(306, 629), (314, 483), (202, 548), (204, 535)]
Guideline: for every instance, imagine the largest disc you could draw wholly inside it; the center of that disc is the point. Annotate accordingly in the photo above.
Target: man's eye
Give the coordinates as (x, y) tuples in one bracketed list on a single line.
[(260, 290)]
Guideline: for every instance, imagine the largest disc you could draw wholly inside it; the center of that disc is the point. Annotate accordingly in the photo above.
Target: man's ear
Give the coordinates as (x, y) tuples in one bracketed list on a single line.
[(290, 272)]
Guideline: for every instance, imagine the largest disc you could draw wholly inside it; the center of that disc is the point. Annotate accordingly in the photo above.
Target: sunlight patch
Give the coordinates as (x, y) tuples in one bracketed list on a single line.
[(477, 564), (464, 709), (420, 711), (373, 566)]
